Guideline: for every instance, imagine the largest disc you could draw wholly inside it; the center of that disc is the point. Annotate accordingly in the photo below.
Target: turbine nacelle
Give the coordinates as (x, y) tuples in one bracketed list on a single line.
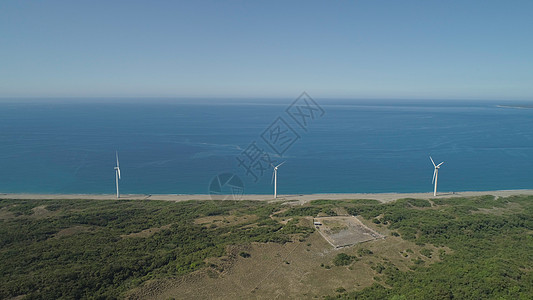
[(436, 166), (276, 167), (117, 168), (275, 178), (117, 173), (435, 175)]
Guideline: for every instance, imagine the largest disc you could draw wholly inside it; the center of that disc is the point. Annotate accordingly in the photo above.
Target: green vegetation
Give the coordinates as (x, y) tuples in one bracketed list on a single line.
[(426, 252), (492, 254), (467, 248), (306, 211), (100, 249), (340, 290), (417, 202), (363, 252), (343, 259), (245, 254)]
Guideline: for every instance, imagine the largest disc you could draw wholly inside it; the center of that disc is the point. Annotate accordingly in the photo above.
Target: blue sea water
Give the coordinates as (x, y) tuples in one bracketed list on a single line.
[(177, 146)]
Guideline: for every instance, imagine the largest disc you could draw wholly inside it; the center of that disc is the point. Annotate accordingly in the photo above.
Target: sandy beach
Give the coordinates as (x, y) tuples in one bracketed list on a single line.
[(383, 197)]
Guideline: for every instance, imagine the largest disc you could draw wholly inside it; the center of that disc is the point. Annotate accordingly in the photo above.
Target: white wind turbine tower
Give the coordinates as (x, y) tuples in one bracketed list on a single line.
[(435, 175), (117, 174), (275, 179)]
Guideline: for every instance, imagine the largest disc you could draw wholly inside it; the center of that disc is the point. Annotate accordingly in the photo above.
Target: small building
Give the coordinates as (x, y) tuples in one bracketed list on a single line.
[(317, 223)]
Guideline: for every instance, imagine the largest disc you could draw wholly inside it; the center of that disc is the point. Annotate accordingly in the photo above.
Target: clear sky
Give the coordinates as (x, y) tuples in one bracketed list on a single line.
[(357, 49)]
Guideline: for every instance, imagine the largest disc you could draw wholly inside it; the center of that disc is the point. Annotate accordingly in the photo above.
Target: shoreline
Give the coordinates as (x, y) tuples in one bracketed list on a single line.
[(302, 198)]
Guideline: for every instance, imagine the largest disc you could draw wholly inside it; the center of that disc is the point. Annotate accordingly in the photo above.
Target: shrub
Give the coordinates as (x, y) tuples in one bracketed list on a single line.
[(426, 252), (340, 290), (363, 251), (343, 259), (245, 254)]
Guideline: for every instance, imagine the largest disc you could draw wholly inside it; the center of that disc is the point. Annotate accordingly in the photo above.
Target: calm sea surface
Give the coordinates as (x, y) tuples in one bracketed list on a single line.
[(343, 146)]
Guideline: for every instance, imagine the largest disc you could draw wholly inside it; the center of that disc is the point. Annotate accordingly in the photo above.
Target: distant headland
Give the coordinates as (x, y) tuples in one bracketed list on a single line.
[(516, 106)]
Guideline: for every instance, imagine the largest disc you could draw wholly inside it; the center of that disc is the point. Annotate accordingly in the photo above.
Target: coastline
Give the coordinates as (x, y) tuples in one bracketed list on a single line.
[(303, 198)]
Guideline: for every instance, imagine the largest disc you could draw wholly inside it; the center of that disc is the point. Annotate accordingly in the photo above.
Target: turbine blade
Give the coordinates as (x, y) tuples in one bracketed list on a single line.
[(440, 164), (434, 173), (118, 170), (272, 182), (432, 161), (280, 164)]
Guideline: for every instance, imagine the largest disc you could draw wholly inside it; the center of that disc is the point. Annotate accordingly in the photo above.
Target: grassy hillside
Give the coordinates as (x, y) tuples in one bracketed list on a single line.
[(478, 248), (491, 240)]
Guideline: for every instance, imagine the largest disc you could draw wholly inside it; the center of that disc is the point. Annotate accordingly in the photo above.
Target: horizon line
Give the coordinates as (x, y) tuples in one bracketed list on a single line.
[(3, 98)]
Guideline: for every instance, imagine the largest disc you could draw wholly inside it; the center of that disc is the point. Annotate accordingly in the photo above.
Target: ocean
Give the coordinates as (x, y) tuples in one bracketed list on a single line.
[(181, 146)]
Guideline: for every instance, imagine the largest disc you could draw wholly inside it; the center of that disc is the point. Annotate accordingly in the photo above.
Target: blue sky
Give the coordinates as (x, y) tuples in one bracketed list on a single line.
[(357, 49)]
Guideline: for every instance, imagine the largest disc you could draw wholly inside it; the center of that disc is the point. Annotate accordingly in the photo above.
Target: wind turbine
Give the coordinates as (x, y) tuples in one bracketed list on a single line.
[(275, 179), (435, 175), (117, 174)]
